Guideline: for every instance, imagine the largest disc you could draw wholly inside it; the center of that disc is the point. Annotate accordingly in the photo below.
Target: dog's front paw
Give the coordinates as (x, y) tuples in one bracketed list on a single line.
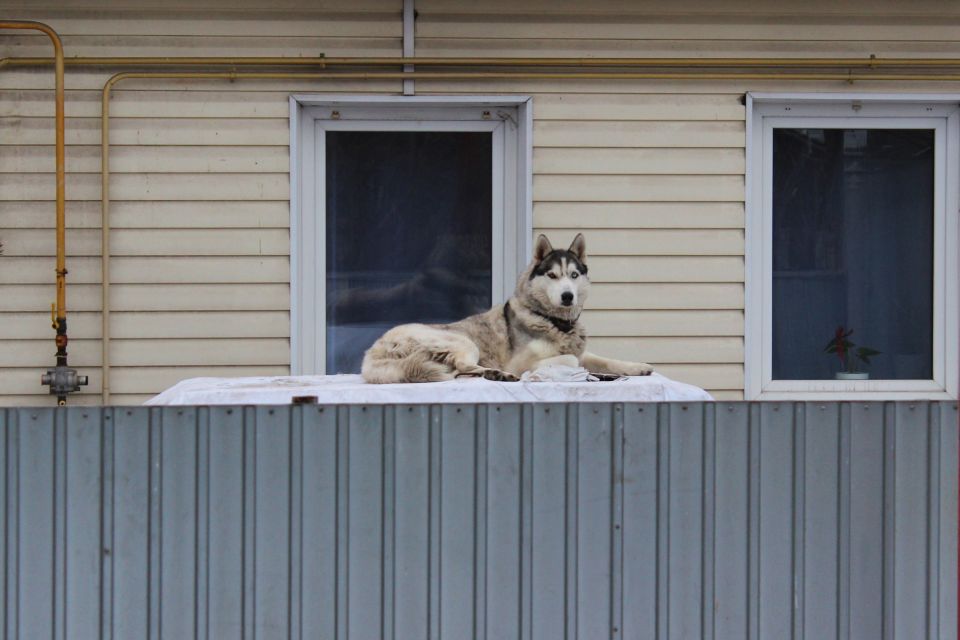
[(636, 369), (499, 376)]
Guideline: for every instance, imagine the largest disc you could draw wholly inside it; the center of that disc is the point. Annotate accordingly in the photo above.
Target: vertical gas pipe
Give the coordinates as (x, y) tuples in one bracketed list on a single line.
[(62, 379)]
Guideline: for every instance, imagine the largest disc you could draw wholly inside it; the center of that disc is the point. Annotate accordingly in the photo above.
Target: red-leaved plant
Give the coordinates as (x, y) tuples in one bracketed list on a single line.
[(844, 348)]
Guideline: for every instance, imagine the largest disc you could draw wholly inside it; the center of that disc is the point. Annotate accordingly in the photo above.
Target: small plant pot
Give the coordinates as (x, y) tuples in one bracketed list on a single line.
[(845, 375)]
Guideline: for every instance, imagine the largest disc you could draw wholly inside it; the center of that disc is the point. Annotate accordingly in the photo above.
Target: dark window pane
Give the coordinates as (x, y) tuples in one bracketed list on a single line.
[(408, 233), (853, 246)]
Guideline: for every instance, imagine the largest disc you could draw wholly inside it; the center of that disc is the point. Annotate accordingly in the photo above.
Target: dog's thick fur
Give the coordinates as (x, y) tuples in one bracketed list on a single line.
[(539, 325)]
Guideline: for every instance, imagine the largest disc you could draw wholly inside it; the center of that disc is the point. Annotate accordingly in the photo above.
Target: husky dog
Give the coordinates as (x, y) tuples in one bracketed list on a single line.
[(539, 325)]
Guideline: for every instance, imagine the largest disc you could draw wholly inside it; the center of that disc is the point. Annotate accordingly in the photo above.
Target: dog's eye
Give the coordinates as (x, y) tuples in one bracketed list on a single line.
[(574, 275), (551, 275)]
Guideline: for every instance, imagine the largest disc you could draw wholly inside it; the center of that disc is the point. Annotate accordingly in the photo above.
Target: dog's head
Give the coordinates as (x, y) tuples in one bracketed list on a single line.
[(556, 280)]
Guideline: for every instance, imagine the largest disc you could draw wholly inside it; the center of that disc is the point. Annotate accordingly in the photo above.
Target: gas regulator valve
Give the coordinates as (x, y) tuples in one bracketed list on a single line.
[(62, 381)]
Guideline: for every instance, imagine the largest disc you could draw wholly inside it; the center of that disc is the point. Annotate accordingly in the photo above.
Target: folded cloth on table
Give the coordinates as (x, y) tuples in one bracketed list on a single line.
[(558, 373)]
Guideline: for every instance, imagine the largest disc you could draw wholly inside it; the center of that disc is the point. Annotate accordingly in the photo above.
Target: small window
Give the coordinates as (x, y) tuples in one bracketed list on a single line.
[(849, 242), (408, 234)]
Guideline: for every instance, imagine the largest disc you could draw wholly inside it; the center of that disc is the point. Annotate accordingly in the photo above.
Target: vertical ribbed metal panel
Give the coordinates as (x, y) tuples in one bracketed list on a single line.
[(671, 521), (318, 525)]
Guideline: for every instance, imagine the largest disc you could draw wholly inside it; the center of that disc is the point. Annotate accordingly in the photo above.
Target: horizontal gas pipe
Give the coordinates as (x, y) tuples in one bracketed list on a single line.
[(415, 75), (795, 63), (58, 385)]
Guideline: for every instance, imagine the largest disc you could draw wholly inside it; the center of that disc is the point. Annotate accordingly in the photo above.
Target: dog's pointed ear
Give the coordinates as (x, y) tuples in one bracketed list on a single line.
[(542, 248), (579, 248)]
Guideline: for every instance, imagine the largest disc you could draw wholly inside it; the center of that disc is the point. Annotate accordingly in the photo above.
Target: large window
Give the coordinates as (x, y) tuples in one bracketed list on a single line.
[(852, 248), (404, 210), (408, 233)]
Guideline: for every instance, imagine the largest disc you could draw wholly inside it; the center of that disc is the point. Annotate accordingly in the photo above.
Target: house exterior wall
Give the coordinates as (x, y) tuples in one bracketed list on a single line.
[(651, 171)]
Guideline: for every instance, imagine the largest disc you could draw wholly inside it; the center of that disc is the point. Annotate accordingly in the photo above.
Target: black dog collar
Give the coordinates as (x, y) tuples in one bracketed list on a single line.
[(566, 326)]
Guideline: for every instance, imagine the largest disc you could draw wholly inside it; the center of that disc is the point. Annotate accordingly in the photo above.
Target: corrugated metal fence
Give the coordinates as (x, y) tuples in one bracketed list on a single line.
[(726, 521)]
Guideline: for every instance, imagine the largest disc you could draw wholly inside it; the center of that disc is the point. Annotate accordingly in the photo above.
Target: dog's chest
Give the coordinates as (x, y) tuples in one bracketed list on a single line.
[(528, 349), (544, 348)]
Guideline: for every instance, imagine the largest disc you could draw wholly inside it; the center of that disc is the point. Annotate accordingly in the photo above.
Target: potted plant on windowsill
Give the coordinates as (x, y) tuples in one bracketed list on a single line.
[(849, 355)]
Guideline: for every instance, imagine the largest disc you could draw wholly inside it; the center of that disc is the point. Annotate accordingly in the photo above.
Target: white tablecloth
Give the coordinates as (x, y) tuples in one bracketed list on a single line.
[(351, 389)]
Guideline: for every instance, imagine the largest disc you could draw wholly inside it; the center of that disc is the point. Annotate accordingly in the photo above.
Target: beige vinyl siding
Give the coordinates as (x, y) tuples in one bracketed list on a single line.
[(651, 171), (200, 191), (656, 183), (733, 28)]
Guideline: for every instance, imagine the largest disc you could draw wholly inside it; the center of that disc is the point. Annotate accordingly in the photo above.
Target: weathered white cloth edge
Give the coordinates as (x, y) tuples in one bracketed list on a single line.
[(558, 373), (351, 389)]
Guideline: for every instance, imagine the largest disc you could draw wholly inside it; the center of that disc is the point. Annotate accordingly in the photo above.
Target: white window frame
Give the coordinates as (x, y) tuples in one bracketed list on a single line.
[(767, 111), (507, 118)]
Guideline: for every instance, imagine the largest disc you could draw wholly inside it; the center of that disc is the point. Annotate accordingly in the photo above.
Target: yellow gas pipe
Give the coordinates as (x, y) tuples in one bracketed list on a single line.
[(60, 309), (62, 379), (871, 62)]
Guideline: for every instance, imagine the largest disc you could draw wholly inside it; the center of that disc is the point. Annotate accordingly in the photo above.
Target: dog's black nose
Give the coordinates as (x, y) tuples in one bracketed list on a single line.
[(567, 298)]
